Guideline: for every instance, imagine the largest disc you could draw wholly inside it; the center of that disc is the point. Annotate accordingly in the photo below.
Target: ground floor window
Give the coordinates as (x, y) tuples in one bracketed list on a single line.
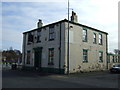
[(85, 55), (100, 56), (115, 59), (51, 56), (28, 57)]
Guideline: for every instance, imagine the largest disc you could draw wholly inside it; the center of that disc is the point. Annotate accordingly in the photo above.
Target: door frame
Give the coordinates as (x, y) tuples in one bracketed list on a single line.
[(38, 49)]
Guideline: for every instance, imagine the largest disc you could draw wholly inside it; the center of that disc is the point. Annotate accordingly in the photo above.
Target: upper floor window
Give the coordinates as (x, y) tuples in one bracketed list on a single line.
[(51, 56), (100, 56), (51, 33), (94, 38), (39, 36), (85, 55), (84, 35), (30, 38), (100, 39)]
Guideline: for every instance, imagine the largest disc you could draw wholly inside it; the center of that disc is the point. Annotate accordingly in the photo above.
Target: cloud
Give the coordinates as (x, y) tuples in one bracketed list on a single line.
[(21, 16), (11, 35), (32, 0), (100, 14), (11, 38)]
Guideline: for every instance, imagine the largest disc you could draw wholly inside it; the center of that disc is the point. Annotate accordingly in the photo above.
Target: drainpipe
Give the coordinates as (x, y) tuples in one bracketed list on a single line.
[(106, 53), (24, 43)]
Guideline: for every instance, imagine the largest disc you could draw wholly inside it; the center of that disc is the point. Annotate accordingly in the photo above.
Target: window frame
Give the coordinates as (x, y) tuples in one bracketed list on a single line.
[(51, 32), (30, 38), (51, 56), (101, 56), (84, 36), (39, 36), (94, 38), (85, 56), (100, 39)]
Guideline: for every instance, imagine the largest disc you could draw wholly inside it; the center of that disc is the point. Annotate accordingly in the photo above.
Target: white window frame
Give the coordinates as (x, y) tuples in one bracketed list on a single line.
[(85, 56), (84, 35), (100, 39), (100, 56)]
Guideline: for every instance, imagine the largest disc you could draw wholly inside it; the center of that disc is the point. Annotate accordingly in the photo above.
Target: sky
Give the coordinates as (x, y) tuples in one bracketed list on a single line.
[(21, 16)]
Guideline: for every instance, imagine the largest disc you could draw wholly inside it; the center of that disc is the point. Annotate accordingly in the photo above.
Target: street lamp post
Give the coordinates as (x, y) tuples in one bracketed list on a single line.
[(68, 43)]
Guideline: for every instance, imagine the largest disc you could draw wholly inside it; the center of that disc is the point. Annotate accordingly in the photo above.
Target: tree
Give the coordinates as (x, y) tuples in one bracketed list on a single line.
[(11, 56)]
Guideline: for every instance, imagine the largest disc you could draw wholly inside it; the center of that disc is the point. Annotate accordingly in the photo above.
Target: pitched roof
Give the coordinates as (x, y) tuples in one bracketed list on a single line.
[(65, 20)]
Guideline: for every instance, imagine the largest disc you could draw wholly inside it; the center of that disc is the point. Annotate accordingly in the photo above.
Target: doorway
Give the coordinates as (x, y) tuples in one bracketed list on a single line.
[(37, 58)]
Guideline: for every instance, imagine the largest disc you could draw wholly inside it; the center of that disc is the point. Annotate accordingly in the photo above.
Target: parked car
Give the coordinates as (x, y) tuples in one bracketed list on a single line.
[(115, 68)]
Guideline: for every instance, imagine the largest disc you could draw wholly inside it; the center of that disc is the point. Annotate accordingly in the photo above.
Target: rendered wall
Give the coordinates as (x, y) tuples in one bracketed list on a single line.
[(76, 50)]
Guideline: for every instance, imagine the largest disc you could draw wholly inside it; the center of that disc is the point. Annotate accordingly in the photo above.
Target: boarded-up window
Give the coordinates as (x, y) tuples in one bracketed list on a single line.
[(30, 38), (71, 37), (38, 36)]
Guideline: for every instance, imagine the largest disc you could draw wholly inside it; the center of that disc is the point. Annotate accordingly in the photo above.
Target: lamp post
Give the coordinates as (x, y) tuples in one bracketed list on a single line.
[(68, 43)]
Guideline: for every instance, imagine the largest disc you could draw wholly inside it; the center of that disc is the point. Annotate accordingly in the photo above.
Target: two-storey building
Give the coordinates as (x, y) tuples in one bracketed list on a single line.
[(113, 59), (45, 48)]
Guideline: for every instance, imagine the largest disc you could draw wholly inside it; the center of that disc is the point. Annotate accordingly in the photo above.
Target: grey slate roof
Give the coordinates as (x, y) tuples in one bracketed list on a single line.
[(65, 20)]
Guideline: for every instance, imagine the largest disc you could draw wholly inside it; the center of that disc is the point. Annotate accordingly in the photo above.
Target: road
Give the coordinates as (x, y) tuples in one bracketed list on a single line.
[(28, 79)]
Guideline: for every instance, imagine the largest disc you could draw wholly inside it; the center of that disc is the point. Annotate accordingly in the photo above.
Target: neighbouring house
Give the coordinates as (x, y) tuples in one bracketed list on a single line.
[(113, 59), (0, 56), (11, 56), (19, 56), (45, 48)]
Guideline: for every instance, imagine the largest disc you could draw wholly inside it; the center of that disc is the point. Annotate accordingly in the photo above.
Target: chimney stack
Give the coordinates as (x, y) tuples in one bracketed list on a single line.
[(74, 17), (39, 24)]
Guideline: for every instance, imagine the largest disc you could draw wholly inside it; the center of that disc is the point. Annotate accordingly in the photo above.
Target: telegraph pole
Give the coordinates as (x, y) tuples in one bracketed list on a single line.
[(68, 43)]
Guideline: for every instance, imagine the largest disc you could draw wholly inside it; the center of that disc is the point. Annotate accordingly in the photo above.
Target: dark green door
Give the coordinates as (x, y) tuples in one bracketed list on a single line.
[(37, 61)]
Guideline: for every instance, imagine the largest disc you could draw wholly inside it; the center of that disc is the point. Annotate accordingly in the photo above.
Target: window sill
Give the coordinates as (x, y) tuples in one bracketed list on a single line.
[(29, 43), (94, 43), (100, 44), (51, 39), (84, 41), (85, 61), (100, 61), (50, 63), (38, 41)]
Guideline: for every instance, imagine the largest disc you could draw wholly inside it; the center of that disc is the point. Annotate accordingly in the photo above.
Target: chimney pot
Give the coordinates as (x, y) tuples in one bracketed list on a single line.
[(74, 17), (39, 24)]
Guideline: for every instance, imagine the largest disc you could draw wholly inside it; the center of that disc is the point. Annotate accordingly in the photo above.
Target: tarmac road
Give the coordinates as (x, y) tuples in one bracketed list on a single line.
[(27, 79)]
